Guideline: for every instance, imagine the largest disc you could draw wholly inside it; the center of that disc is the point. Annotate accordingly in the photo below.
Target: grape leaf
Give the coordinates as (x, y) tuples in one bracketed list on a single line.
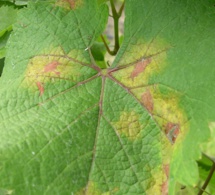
[(18, 3), (208, 147), (3, 42), (1, 65), (69, 127), (8, 16), (205, 165), (174, 68)]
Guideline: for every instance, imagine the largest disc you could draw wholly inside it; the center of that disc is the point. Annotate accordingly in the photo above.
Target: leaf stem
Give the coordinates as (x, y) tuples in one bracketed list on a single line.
[(106, 45), (121, 9), (114, 12), (208, 178), (115, 15)]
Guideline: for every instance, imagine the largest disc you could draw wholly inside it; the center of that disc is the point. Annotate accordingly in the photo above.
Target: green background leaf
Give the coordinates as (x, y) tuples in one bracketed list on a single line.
[(205, 165), (3, 42), (1, 65), (8, 16)]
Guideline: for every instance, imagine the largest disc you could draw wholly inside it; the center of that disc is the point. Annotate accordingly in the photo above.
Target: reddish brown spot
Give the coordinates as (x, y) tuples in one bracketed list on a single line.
[(40, 87), (140, 67), (147, 100), (172, 130), (164, 187), (71, 2), (51, 67)]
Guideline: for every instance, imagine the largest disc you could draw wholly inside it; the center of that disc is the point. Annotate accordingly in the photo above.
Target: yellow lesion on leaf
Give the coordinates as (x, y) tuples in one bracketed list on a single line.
[(142, 63), (80, 55), (160, 172), (165, 106), (93, 189), (142, 49), (170, 116), (51, 66), (155, 183), (69, 4), (129, 125)]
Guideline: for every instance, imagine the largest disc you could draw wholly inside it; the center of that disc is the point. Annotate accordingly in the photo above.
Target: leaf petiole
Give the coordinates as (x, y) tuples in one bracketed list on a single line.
[(115, 15)]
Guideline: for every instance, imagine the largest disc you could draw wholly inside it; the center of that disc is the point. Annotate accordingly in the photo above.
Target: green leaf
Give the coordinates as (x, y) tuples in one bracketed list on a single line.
[(1, 65), (21, 2), (208, 147), (18, 3), (183, 190), (98, 51), (8, 16), (102, 1), (70, 127), (3, 42), (205, 165)]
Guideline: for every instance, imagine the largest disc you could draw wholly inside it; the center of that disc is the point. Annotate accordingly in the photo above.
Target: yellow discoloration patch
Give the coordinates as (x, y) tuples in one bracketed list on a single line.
[(50, 67), (142, 49), (159, 175), (139, 73), (161, 180), (141, 61), (69, 4), (155, 183), (164, 105), (169, 115), (92, 189), (161, 102), (80, 55), (145, 96), (129, 125), (53, 51)]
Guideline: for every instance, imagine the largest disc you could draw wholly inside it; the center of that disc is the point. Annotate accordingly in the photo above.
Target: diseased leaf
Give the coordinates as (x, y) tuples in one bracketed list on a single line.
[(49, 48), (165, 62), (70, 127)]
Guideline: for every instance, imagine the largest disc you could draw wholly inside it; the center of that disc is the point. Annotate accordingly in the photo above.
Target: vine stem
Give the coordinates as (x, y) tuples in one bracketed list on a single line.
[(208, 178), (115, 15)]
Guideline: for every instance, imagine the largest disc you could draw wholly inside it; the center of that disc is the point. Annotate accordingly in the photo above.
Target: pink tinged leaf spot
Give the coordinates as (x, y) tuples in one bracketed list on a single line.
[(71, 3), (172, 130), (40, 87), (164, 187), (51, 67), (147, 100), (140, 67)]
